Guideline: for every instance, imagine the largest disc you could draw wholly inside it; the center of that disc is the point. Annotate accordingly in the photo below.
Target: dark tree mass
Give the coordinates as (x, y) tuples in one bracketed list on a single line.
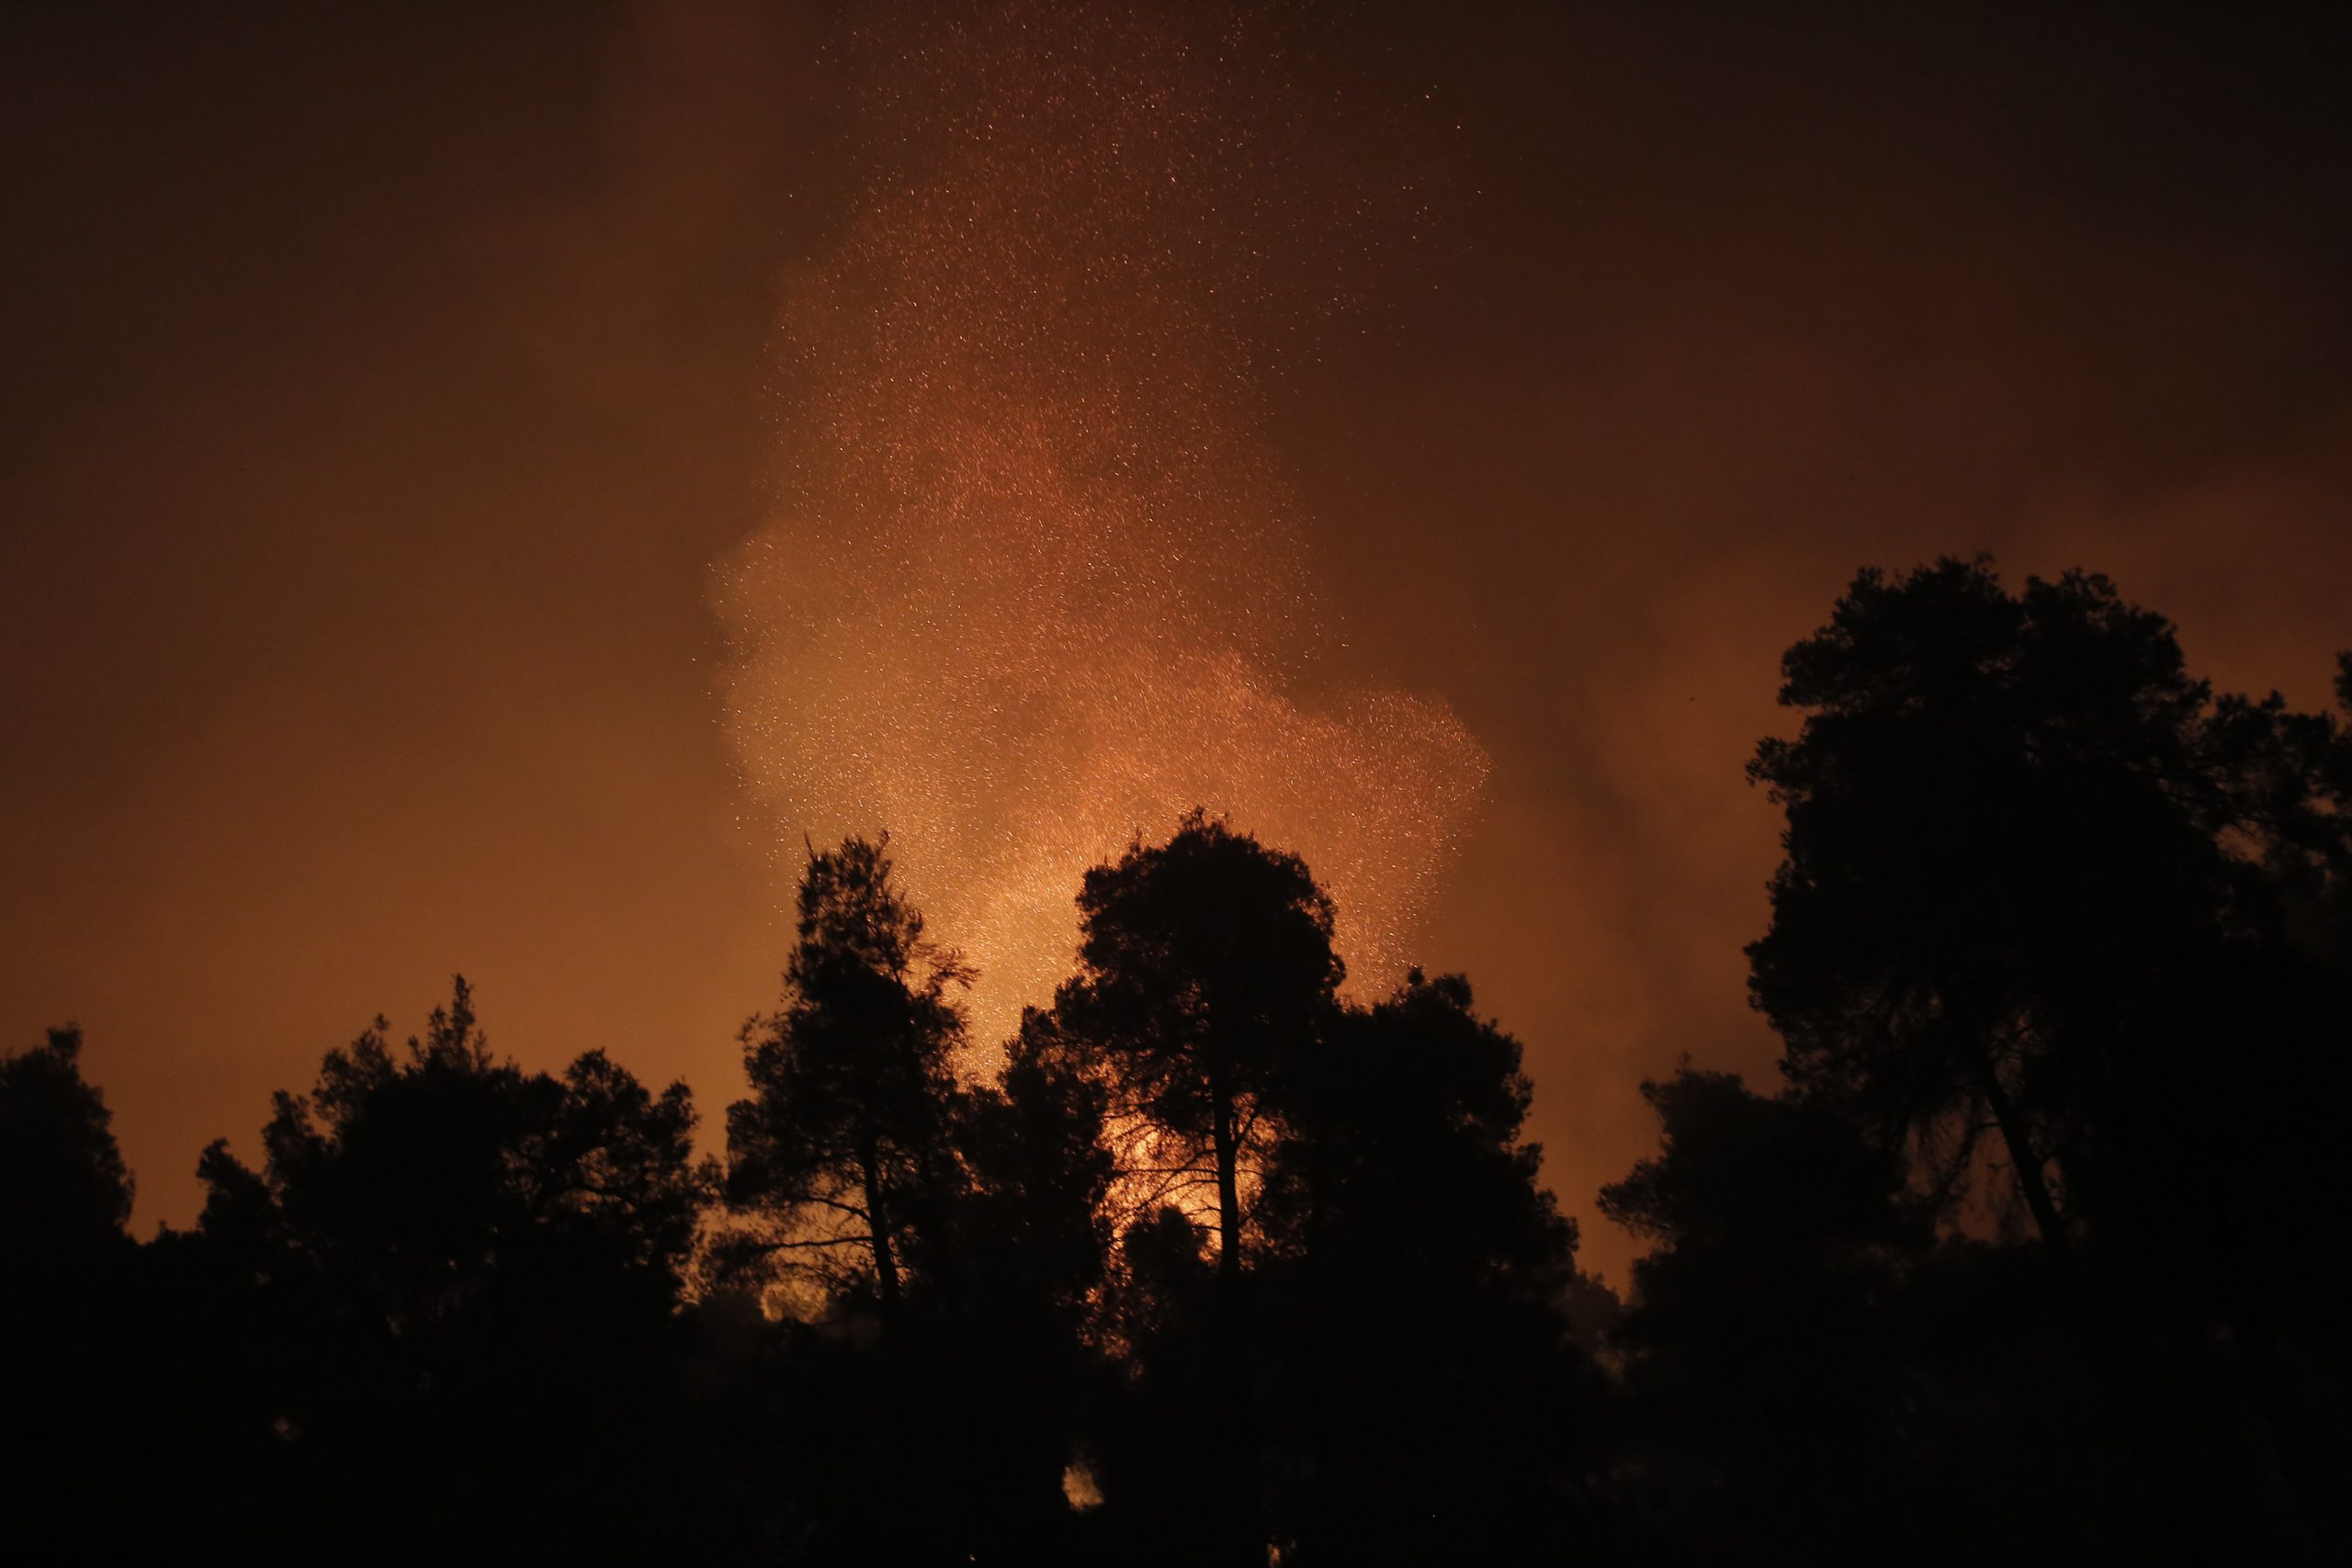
[(1222, 784), (2028, 1260)]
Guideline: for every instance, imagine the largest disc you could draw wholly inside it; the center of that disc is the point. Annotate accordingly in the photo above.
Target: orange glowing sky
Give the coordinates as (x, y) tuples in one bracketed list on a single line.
[(1035, 583), (480, 480)]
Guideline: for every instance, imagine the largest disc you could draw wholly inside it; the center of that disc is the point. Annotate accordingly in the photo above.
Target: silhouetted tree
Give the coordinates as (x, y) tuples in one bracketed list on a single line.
[(2036, 878), (1201, 963), (1428, 1399), (63, 1192), (65, 1390), (423, 1178), (1167, 1439), (1762, 1345), (1032, 1235), (468, 1273), (2051, 912), (2202, 1181), (844, 1146), (1992, 834)]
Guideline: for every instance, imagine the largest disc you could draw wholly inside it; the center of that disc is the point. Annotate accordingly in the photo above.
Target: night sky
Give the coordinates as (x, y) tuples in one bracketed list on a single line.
[(479, 482)]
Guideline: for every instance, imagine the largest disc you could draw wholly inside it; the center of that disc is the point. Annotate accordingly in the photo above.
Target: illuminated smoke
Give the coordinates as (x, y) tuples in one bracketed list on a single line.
[(1033, 583)]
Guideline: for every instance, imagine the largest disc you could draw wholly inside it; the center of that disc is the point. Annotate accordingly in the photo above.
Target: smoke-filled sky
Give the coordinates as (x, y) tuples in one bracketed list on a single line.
[(1034, 584), (480, 481)]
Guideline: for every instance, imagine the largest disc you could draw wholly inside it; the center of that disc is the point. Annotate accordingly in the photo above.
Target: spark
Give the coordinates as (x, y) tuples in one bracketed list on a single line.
[(1034, 584)]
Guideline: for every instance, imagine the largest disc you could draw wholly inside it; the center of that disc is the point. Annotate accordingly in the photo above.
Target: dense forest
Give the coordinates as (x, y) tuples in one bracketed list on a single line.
[(2024, 1261)]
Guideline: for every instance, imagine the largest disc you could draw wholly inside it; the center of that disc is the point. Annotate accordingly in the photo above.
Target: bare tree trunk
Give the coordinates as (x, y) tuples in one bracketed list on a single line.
[(877, 1224), (933, 1228), (1229, 1187), (2027, 1163), (2117, 1368), (1245, 1516)]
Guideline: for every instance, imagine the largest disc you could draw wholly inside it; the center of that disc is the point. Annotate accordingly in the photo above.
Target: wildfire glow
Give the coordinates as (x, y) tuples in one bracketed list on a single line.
[(1033, 583)]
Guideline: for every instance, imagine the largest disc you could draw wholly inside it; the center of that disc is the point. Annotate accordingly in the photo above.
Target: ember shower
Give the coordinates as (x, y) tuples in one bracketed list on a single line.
[(1033, 583)]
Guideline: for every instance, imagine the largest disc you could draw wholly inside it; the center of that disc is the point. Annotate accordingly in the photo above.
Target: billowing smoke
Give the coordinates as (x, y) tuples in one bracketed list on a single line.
[(1033, 583)]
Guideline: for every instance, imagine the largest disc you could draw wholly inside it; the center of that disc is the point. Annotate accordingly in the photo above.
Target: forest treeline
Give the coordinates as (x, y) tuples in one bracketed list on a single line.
[(2025, 1261)]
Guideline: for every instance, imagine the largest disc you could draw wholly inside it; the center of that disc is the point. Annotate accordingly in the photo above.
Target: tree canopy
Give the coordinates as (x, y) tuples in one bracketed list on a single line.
[(1217, 1261)]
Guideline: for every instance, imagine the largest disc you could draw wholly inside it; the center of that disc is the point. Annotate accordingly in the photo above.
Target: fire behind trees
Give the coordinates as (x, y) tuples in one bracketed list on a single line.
[(2029, 1258)]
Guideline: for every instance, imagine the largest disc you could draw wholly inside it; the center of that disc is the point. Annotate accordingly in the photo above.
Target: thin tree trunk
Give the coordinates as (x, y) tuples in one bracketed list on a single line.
[(2027, 1163), (1229, 1188), (934, 1231), (877, 1224), (1247, 1516), (2117, 1369)]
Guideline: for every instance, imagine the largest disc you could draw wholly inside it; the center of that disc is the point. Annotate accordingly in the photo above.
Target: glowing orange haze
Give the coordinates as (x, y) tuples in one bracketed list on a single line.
[(1035, 585), (1160, 411)]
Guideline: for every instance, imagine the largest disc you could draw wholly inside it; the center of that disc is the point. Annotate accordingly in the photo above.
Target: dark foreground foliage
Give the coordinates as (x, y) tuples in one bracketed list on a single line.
[(2029, 1259)]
